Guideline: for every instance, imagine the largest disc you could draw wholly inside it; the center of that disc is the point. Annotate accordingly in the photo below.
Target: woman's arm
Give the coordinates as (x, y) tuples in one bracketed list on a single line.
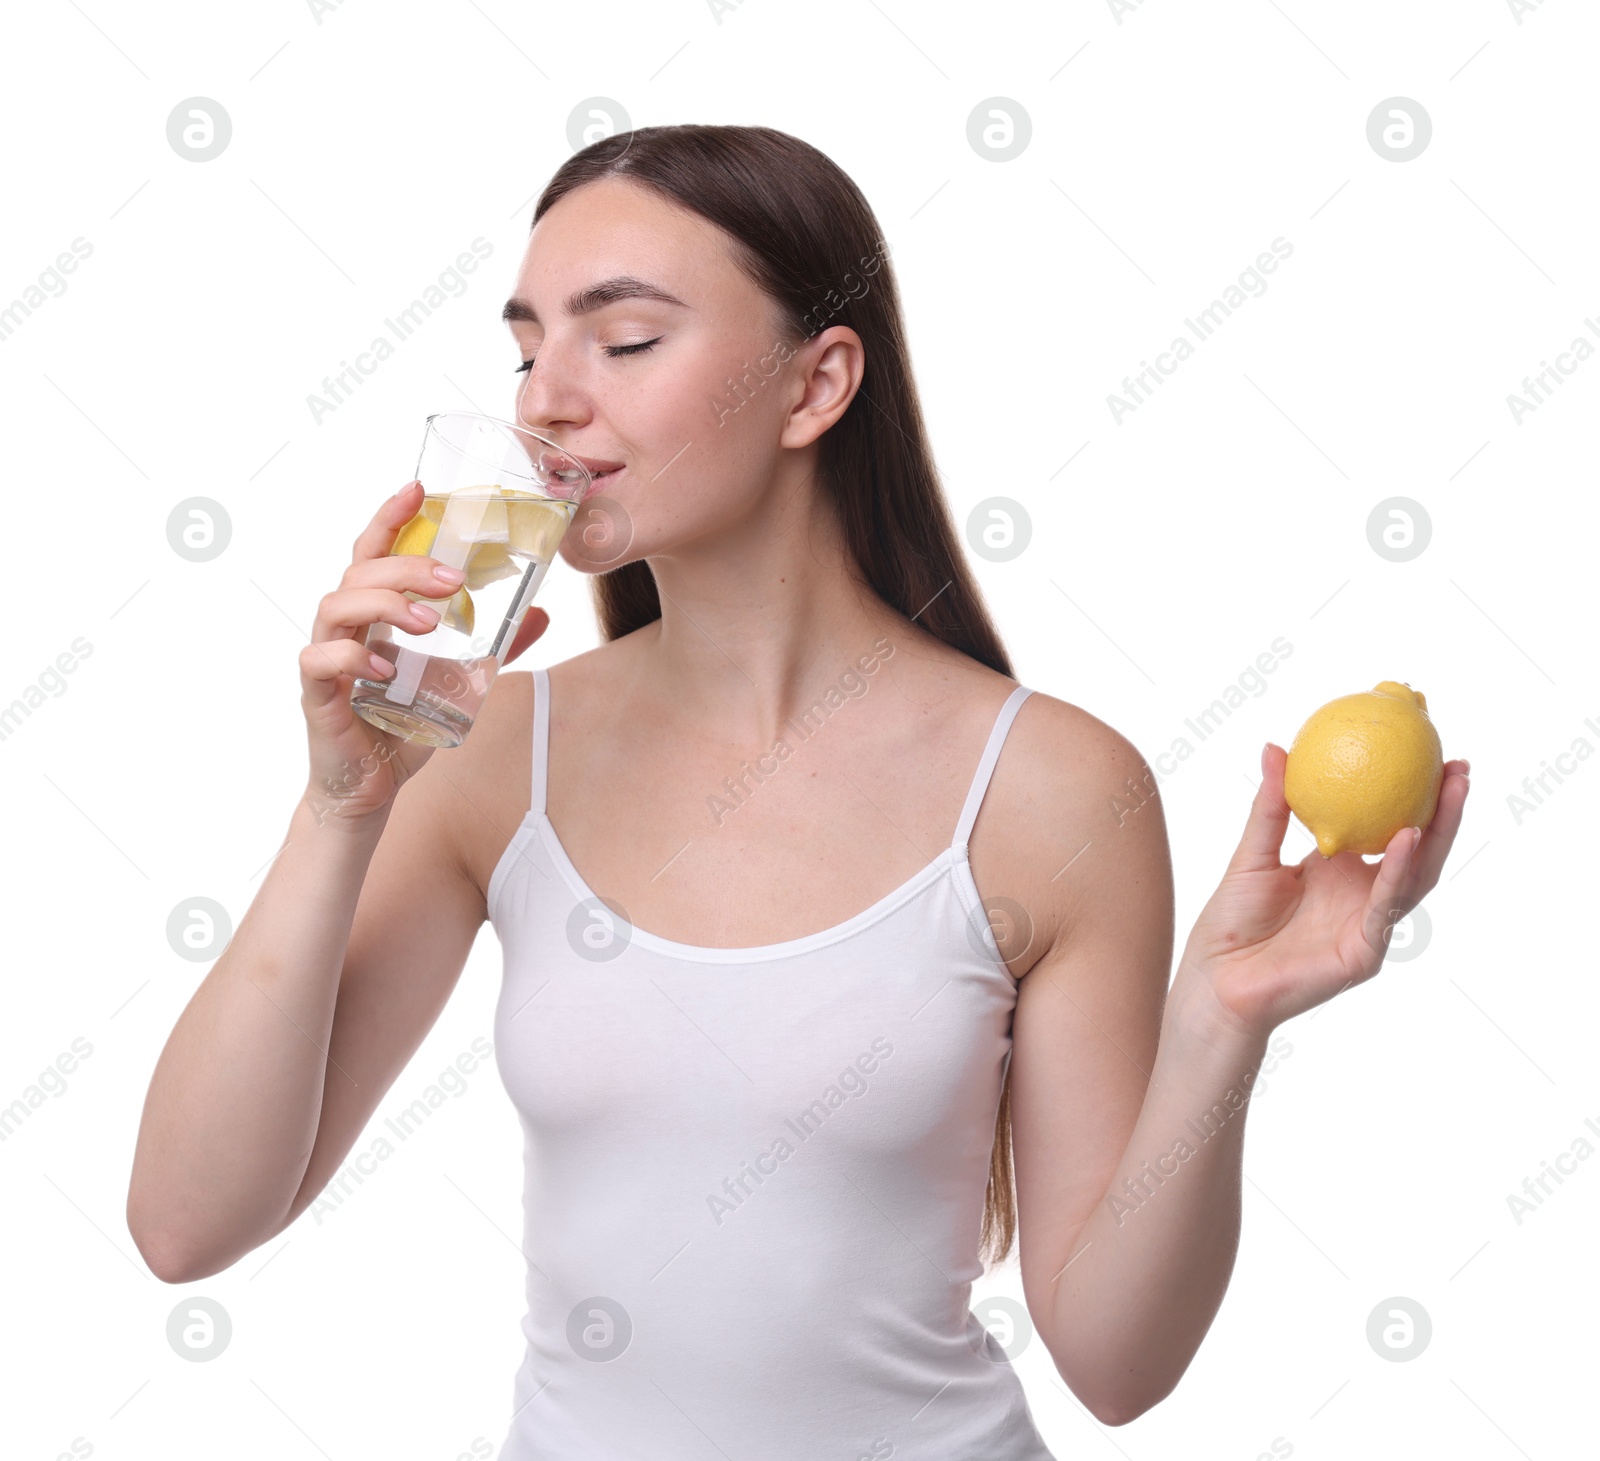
[(1124, 1294), (1120, 1294), (335, 974), (1129, 1100)]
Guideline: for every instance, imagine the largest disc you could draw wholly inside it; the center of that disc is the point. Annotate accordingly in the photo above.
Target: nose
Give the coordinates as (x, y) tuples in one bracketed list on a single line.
[(548, 398)]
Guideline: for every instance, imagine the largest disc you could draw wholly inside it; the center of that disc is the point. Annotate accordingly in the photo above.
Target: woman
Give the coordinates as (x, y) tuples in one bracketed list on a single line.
[(772, 1060)]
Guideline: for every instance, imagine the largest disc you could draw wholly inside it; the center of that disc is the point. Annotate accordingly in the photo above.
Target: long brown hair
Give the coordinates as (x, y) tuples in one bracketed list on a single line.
[(805, 234)]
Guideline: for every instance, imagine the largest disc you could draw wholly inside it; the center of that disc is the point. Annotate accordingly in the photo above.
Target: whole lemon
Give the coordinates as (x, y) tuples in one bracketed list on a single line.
[(1364, 766)]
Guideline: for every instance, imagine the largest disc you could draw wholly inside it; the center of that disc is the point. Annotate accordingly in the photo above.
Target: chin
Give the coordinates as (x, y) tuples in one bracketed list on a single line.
[(577, 559), (602, 538)]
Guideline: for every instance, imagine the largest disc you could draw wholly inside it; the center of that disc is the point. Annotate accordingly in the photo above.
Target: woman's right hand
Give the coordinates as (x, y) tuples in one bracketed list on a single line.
[(356, 769)]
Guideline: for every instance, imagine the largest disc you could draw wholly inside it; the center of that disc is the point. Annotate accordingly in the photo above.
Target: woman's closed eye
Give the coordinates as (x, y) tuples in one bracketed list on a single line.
[(611, 350)]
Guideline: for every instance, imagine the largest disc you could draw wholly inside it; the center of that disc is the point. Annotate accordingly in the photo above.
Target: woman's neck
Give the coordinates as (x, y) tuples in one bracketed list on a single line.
[(758, 621)]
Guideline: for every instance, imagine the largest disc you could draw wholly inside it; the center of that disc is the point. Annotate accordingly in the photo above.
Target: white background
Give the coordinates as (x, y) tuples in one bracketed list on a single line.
[(1170, 145)]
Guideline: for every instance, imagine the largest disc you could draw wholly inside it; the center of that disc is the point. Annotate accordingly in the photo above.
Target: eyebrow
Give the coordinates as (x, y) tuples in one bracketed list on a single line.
[(596, 296)]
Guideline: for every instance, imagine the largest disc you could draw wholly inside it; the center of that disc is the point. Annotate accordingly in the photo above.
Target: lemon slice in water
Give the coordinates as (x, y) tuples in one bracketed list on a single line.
[(455, 612), (417, 535), (416, 539)]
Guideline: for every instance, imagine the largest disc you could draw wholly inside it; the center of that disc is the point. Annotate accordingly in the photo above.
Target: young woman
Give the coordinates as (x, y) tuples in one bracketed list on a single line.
[(813, 918)]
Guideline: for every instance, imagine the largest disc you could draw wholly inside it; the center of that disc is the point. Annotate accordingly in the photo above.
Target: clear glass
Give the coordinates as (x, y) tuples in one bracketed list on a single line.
[(497, 500)]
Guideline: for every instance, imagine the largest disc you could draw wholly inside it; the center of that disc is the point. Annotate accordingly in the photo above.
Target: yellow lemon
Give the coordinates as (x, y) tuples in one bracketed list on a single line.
[(513, 525), (525, 527), (458, 613), (455, 612), (1364, 766), (537, 526), (417, 535), (489, 561), (416, 538)]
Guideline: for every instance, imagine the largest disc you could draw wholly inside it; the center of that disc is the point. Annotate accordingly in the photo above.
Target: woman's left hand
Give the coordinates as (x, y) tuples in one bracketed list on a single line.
[(1275, 941)]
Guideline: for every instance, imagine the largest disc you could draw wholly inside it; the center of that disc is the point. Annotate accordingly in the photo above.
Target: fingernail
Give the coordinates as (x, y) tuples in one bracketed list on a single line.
[(1416, 837), (446, 574)]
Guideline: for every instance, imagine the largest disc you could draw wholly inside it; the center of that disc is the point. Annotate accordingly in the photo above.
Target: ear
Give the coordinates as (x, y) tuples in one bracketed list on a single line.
[(829, 370)]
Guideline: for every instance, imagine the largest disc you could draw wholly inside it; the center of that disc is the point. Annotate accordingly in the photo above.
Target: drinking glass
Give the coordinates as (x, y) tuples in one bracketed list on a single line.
[(497, 499)]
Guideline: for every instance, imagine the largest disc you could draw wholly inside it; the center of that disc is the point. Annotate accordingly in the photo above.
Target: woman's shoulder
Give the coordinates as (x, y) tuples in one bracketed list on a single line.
[(1049, 735), (1057, 756), (1062, 759), (608, 660), (1055, 830), (502, 735), (486, 783), (1052, 726)]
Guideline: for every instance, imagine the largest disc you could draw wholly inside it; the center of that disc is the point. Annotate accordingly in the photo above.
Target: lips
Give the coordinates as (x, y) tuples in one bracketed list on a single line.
[(600, 472)]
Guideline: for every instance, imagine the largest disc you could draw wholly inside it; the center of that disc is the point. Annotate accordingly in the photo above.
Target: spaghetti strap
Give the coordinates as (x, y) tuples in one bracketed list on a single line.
[(991, 754), (541, 740)]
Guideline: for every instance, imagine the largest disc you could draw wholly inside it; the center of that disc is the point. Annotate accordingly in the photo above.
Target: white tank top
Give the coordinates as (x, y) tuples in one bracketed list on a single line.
[(754, 1177)]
